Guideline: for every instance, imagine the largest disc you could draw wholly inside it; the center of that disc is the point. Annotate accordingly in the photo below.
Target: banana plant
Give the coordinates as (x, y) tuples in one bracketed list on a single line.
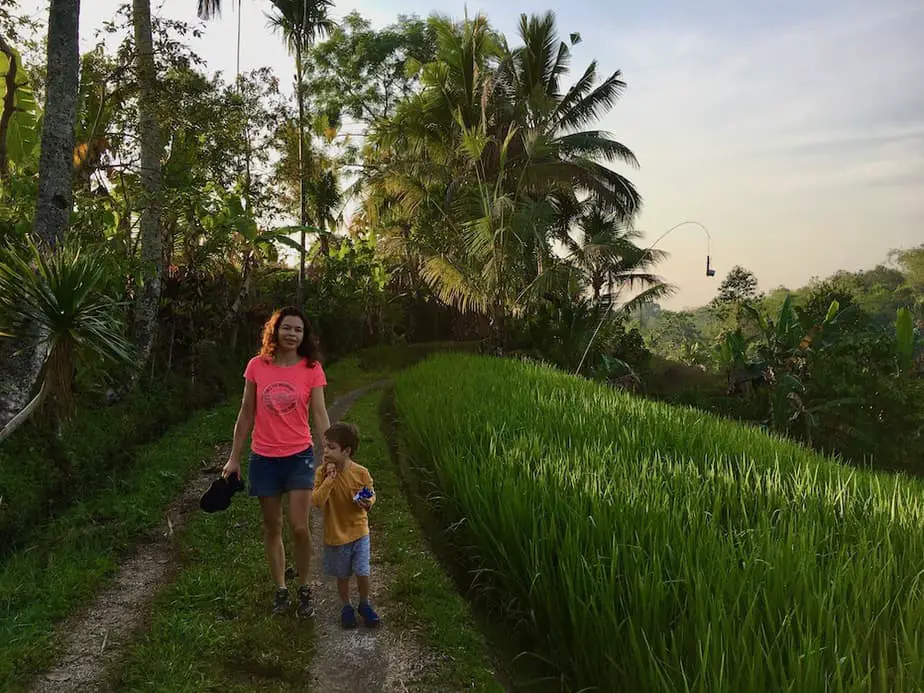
[(731, 352), (20, 116), (792, 331)]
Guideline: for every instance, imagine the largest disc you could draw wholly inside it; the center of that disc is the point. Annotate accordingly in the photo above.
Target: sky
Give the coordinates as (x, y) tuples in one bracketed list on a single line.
[(793, 131)]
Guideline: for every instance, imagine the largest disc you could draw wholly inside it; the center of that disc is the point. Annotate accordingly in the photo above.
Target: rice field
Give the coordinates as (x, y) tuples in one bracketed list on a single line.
[(652, 548)]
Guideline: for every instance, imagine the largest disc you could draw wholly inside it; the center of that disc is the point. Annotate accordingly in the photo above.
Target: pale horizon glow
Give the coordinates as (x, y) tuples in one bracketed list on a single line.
[(793, 131)]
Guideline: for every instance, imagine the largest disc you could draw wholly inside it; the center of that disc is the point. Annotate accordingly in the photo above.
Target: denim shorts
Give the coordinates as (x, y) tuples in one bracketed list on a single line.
[(347, 559), (273, 476)]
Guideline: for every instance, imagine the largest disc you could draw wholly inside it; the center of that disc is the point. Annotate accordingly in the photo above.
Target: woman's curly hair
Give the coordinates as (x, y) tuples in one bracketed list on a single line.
[(308, 349)]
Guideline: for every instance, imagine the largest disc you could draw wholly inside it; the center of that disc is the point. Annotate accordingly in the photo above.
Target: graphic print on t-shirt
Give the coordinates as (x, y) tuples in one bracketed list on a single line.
[(280, 397)]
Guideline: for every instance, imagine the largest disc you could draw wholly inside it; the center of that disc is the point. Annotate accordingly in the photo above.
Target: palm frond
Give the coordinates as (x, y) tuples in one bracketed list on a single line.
[(581, 88), (595, 144), (589, 108), (300, 22), (539, 65), (611, 189), (453, 286), (651, 295), (65, 295)]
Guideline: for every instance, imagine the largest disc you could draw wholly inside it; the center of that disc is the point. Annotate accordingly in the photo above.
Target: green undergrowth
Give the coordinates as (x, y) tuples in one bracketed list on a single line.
[(61, 569), (41, 475), (210, 630)]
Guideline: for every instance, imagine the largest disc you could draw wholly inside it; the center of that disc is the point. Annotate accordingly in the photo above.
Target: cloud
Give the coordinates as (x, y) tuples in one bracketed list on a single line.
[(797, 139)]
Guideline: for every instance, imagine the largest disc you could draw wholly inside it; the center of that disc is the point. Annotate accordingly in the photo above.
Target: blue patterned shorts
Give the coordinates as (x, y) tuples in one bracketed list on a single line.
[(273, 476), (348, 559)]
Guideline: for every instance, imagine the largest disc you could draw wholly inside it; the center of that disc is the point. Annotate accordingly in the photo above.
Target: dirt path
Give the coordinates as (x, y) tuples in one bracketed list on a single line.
[(359, 660), (92, 641)]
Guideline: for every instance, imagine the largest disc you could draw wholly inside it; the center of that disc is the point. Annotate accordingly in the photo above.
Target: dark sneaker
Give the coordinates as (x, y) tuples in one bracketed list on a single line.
[(281, 601), (348, 616), (370, 618), (305, 603)]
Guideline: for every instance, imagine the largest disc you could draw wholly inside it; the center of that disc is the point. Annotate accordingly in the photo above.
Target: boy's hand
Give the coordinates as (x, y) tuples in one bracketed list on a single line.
[(330, 470), (364, 504)]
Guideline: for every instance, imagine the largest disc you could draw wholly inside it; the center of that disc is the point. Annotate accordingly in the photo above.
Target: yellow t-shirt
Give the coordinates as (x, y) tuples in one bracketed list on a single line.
[(344, 520)]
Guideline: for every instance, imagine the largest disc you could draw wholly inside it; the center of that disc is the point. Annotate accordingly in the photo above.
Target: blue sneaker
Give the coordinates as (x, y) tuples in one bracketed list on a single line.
[(348, 616), (370, 618)]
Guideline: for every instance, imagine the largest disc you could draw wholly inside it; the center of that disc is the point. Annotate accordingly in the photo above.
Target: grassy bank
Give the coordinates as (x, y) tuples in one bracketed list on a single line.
[(644, 547), (41, 475), (421, 597), (77, 551)]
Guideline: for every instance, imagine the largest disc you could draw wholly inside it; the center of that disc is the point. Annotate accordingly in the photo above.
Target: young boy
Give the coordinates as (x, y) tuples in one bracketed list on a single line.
[(346, 526)]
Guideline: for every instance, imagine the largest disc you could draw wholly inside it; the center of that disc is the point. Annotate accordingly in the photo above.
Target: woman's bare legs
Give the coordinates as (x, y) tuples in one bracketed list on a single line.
[(272, 539), (299, 507)]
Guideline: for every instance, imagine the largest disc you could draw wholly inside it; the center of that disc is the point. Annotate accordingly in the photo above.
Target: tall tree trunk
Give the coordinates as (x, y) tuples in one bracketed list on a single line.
[(148, 300), (55, 193), (323, 239), (302, 206), (20, 372), (233, 315)]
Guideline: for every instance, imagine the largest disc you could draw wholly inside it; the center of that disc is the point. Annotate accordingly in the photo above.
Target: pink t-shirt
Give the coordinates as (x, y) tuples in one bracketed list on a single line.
[(280, 424)]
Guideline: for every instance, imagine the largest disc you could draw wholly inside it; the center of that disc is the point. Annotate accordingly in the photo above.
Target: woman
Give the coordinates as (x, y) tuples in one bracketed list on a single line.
[(281, 383)]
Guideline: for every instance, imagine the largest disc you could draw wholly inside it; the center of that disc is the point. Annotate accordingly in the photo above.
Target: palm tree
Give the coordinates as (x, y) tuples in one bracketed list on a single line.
[(555, 145), (19, 370), (608, 261), (148, 299), (301, 22), (492, 162), (325, 199)]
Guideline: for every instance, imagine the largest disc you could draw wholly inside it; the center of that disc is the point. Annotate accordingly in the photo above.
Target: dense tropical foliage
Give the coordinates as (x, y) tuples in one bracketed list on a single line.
[(837, 363), (478, 161)]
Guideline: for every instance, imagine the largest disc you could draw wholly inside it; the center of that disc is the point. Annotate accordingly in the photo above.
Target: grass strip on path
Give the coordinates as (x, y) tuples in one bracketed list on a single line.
[(421, 598), (210, 630)]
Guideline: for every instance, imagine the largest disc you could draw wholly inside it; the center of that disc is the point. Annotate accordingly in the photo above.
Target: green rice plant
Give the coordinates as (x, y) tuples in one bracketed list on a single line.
[(645, 547)]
